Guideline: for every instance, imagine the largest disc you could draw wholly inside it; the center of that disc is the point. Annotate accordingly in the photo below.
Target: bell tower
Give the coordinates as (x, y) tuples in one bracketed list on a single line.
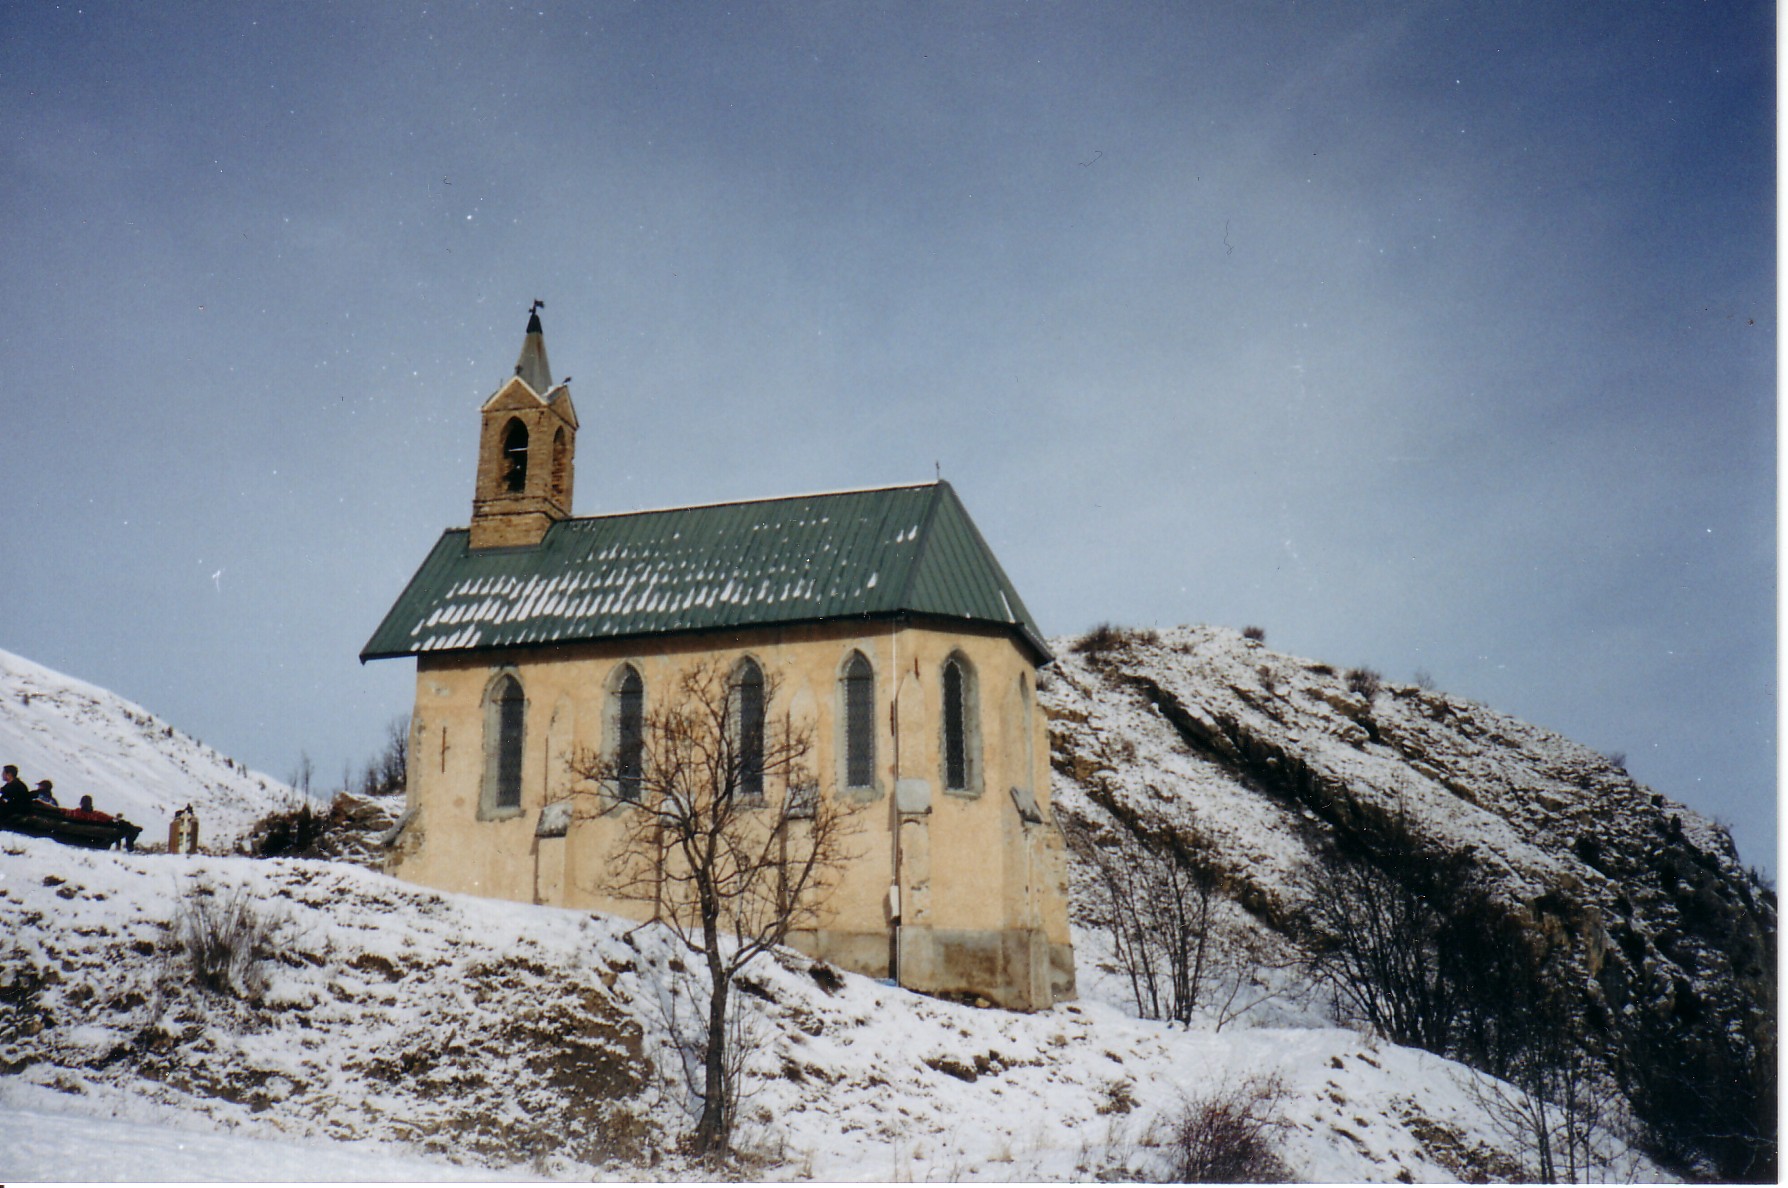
[(526, 444)]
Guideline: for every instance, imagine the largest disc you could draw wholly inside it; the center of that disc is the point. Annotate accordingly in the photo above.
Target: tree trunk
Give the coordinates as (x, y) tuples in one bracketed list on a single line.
[(714, 1131)]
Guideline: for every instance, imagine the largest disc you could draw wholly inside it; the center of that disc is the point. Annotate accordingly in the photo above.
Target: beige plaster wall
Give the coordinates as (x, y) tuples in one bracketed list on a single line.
[(983, 892)]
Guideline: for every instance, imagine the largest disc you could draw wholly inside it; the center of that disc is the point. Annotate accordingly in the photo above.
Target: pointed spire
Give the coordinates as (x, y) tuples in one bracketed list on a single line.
[(532, 365)]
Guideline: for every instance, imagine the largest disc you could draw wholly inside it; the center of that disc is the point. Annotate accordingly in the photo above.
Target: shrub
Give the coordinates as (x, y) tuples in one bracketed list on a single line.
[(1227, 1137), (1104, 638), (21, 1012), (289, 832), (1257, 634), (1364, 681), (227, 943), (347, 829), (1618, 759), (1424, 680)]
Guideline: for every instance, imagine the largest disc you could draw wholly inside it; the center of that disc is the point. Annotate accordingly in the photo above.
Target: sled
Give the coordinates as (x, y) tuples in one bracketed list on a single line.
[(44, 820)]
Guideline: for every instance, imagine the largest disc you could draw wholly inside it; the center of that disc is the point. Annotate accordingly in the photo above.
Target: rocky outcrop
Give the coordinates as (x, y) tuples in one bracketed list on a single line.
[(1273, 761)]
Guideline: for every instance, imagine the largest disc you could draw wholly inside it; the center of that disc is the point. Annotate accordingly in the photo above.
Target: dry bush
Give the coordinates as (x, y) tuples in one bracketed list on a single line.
[(1364, 681), (1257, 634), (289, 832), (21, 985), (1227, 1136), (226, 941), (1106, 637)]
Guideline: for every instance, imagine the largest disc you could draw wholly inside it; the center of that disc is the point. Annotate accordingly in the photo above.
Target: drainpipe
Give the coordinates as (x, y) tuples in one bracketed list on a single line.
[(894, 890)]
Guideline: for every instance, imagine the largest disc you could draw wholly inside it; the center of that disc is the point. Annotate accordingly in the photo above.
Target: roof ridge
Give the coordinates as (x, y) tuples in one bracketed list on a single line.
[(922, 545), (648, 511)]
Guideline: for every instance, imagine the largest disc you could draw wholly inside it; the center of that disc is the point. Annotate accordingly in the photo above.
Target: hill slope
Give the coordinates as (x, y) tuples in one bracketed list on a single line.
[(508, 1036), (1287, 778), (503, 1035), (88, 741)]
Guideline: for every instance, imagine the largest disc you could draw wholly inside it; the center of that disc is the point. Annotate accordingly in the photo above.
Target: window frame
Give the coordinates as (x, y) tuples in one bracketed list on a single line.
[(847, 738), (969, 726), (628, 786), (505, 746), (514, 477), (749, 724)]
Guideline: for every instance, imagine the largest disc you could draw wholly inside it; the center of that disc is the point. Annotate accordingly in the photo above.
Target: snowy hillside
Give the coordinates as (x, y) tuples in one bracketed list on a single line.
[(392, 1031), (507, 1036), (1286, 775), (87, 741)]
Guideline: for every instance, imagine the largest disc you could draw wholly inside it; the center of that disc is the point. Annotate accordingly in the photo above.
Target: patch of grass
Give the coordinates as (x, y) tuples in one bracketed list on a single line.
[(226, 941)]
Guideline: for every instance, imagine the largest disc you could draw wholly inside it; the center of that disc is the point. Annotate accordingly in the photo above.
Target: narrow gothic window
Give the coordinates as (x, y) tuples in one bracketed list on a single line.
[(630, 745), (859, 722), (750, 693), (515, 457), (955, 727), (510, 707)]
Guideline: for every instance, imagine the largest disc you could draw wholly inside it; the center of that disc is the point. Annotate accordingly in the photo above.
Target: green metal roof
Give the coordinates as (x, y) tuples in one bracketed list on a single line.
[(800, 559)]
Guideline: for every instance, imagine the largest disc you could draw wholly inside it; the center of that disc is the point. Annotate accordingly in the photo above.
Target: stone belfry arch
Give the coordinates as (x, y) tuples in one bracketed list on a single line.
[(526, 446)]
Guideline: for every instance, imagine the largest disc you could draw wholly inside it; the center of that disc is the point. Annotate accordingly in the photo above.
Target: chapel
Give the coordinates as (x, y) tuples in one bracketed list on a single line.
[(879, 617)]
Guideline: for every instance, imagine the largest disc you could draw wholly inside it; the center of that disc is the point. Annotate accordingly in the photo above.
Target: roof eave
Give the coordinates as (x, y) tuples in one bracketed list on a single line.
[(1040, 653)]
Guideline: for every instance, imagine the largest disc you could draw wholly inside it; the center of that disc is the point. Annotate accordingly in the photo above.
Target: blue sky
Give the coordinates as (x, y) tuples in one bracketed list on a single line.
[(1429, 336)]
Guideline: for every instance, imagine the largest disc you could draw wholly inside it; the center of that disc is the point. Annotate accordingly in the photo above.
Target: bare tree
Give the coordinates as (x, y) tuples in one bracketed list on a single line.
[(1559, 1107), (1158, 895), (387, 771), (724, 833), (300, 779)]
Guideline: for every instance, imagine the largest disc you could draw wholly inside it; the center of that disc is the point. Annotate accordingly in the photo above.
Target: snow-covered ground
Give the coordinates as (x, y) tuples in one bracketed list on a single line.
[(533, 1039), (88, 741), (52, 1138), (396, 1033)]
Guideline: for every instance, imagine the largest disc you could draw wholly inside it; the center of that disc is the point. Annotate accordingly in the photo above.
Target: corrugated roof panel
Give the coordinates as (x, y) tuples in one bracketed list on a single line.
[(797, 559)]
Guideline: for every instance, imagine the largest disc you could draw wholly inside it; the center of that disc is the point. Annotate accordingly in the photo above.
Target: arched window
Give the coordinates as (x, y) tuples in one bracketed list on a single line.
[(748, 692), (956, 747), (515, 457), (859, 722), (630, 733), (504, 731)]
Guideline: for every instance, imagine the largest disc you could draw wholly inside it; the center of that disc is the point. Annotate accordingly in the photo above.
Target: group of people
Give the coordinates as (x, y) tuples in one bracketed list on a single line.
[(16, 797)]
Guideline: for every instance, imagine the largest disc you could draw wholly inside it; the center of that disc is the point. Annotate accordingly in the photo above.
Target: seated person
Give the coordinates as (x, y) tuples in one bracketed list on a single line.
[(44, 794), (86, 812), (14, 796)]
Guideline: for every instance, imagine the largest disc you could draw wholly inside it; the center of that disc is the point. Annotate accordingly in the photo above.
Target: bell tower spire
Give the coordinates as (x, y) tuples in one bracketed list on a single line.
[(526, 444), (531, 365)]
